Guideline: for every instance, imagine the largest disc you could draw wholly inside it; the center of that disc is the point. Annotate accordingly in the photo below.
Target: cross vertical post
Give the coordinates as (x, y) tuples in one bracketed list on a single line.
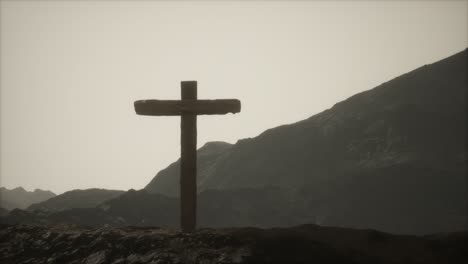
[(187, 108), (188, 161)]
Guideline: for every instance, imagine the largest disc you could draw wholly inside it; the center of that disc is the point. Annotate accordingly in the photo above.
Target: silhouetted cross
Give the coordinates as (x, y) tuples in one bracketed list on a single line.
[(188, 108)]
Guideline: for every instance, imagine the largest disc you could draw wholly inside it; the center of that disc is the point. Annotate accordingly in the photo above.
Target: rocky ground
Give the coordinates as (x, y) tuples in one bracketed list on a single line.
[(302, 244)]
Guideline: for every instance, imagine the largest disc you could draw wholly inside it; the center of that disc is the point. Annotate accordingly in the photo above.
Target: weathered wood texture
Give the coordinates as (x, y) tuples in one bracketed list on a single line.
[(188, 162), (187, 106)]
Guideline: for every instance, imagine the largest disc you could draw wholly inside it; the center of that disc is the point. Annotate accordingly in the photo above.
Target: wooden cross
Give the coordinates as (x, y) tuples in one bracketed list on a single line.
[(188, 108)]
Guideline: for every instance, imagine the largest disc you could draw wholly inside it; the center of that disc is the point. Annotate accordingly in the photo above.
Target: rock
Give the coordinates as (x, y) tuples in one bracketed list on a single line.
[(302, 244), (96, 258)]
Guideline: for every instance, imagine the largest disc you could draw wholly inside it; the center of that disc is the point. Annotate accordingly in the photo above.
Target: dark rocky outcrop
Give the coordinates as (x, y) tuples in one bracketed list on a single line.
[(302, 244)]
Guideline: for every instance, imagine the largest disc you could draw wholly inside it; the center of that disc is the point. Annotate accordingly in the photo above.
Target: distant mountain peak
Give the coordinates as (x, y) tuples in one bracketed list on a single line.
[(21, 198), (214, 144), (213, 147), (19, 189), (77, 198)]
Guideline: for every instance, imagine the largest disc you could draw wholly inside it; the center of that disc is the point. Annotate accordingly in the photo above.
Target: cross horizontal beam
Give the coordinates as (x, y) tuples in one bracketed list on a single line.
[(187, 107)]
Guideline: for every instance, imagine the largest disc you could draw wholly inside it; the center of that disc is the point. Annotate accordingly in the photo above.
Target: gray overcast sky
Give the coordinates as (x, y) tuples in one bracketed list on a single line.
[(70, 71)]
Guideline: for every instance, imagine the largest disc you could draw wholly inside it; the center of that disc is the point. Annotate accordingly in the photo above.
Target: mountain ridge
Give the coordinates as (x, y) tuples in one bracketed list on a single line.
[(407, 96), (20, 198), (409, 131), (87, 198)]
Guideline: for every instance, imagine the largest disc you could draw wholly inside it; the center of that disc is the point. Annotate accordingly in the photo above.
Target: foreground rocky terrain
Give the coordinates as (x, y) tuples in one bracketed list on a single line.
[(301, 244)]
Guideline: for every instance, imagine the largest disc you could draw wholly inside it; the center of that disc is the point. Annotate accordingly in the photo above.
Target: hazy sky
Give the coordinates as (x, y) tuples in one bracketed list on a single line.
[(70, 71)]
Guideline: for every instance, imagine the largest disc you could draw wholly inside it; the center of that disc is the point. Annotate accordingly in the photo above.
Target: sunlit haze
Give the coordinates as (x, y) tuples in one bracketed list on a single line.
[(71, 70)]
